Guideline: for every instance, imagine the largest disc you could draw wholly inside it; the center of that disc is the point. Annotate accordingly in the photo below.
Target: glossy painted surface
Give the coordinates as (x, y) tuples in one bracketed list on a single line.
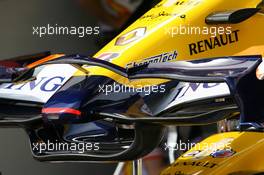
[(157, 41), (222, 154), (149, 40)]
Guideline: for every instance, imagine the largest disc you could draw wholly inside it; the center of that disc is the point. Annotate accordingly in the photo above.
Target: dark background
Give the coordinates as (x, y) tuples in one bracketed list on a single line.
[(18, 17), (16, 21)]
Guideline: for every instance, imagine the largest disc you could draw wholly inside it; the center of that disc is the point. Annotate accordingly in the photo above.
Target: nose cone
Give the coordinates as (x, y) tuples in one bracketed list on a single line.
[(65, 106)]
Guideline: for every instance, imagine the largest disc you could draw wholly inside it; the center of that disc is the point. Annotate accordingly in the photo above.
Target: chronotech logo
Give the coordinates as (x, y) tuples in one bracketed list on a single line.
[(213, 43)]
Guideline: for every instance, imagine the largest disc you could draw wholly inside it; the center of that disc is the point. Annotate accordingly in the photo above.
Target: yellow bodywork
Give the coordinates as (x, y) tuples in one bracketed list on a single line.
[(247, 157), (246, 37), (151, 36)]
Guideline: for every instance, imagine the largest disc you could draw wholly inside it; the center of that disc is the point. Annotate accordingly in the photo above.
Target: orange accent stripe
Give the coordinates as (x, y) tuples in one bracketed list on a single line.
[(41, 61), (61, 110)]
